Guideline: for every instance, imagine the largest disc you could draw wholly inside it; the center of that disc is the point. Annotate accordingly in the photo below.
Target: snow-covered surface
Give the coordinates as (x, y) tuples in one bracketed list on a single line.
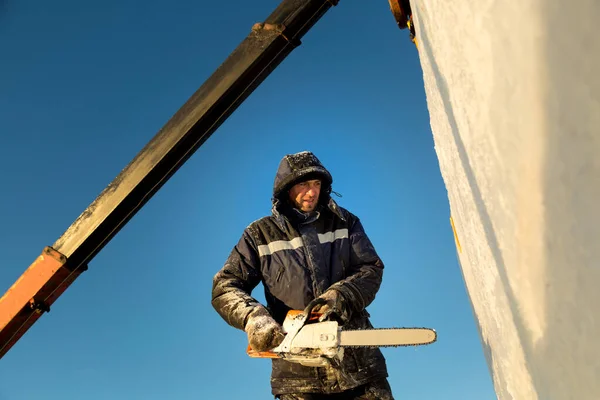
[(514, 96)]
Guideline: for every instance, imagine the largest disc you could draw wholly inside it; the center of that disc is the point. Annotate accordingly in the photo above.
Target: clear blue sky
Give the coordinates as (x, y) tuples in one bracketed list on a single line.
[(84, 87)]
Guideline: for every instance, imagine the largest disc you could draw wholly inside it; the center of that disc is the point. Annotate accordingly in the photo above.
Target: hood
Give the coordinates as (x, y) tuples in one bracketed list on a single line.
[(294, 168)]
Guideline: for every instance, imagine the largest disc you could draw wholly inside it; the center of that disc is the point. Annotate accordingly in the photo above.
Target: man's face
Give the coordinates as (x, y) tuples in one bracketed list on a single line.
[(305, 195)]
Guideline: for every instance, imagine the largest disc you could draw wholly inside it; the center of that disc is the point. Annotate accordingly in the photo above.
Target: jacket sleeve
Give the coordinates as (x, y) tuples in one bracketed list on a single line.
[(365, 274), (233, 284)]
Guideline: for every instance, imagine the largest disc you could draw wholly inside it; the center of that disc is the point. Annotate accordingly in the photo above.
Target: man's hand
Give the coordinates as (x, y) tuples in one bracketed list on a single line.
[(264, 333), (334, 307)]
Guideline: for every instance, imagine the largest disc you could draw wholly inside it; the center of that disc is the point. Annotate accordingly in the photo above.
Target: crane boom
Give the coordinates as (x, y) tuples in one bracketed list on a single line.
[(266, 46)]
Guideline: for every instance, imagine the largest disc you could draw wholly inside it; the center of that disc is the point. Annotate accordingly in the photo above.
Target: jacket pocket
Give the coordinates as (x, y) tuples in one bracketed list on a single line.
[(279, 274)]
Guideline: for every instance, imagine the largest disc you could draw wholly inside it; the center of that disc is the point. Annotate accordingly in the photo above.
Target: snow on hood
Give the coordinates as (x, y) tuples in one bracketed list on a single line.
[(301, 166)]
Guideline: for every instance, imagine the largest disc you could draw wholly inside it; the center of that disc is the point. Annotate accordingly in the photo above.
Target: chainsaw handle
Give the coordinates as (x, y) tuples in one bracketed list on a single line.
[(308, 311)]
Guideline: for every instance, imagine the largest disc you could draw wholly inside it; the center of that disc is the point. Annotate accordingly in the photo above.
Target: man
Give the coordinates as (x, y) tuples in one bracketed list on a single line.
[(308, 247)]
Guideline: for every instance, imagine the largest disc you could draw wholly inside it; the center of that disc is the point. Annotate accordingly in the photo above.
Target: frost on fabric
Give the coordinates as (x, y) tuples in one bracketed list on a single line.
[(231, 302), (302, 159)]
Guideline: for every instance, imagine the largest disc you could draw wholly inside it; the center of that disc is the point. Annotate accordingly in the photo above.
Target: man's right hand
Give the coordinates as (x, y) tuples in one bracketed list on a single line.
[(264, 333)]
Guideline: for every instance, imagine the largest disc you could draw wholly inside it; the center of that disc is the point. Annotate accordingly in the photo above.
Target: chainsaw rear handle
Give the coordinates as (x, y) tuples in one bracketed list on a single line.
[(260, 354)]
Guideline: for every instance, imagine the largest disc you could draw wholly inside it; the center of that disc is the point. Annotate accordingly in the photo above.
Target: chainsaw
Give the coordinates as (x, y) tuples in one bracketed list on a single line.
[(311, 342)]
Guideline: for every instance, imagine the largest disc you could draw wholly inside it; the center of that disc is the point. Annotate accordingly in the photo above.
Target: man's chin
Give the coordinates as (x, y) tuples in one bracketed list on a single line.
[(309, 208)]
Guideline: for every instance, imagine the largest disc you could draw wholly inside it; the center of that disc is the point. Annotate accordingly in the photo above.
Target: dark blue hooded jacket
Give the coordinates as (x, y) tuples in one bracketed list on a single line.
[(297, 257)]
